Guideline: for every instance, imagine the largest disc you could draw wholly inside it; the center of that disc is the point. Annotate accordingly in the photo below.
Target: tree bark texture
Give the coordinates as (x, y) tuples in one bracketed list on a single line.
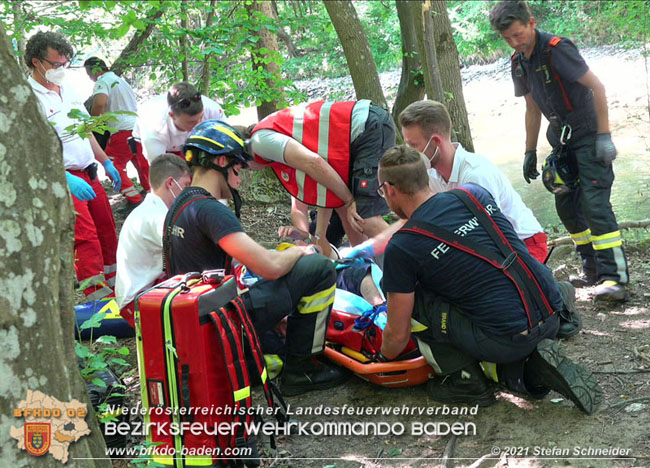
[(205, 75), (123, 61), (432, 79), (262, 56), (411, 84), (185, 69), (37, 274), (449, 68), (357, 51)]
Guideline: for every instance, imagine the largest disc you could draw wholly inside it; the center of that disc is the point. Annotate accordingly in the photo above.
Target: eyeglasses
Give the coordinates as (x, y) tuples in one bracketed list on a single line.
[(57, 65), (186, 102), (380, 189)]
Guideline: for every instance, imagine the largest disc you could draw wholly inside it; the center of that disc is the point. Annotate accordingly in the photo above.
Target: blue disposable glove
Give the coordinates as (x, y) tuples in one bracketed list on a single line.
[(79, 187), (113, 174), (363, 250), (605, 149)]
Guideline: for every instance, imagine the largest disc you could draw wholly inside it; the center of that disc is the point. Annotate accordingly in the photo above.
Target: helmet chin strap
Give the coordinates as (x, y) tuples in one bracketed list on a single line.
[(235, 194)]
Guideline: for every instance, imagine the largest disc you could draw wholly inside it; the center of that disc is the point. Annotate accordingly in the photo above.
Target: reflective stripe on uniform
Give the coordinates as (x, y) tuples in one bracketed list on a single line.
[(323, 146), (274, 365), (425, 350), (581, 238), (99, 294), (607, 241), (417, 326), (621, 264), (298, 126), (490, 370), (130, 192), (317, 302), (242, 393)]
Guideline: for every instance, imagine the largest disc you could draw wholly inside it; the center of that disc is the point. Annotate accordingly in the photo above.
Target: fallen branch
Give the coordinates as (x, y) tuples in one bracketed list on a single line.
[(448, 454), (627, 402), (628, 371), (566, 240)]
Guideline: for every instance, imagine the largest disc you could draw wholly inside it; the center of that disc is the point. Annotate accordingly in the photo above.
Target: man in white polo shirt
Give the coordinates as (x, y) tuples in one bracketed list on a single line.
[(112, 94), (139, 251), (426, 127), (164, 121), (48, 54)]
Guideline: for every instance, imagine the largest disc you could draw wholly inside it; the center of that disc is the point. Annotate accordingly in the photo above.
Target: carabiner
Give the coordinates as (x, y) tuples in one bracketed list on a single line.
[(565, 134)]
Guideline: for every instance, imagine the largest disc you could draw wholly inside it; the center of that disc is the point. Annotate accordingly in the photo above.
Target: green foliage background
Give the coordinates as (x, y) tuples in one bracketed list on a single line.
[(107, 25)]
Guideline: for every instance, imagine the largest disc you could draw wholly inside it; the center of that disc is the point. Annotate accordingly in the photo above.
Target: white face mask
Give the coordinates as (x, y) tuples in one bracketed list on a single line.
[(428, 162), (179, 188), (55, 76)]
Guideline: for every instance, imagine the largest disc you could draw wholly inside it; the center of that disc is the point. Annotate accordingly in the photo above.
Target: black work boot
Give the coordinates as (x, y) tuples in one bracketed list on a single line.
[(303, 375), (561, 374), (570, 319), (589, 275), (610, 291), (468, 385)]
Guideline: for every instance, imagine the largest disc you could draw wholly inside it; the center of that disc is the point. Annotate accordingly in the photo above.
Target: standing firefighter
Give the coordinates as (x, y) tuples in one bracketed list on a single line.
[(555, 81)]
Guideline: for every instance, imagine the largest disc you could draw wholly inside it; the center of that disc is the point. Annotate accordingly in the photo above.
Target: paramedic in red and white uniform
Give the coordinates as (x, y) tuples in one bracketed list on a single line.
[(165, 121), (48, 54), (326, 154)]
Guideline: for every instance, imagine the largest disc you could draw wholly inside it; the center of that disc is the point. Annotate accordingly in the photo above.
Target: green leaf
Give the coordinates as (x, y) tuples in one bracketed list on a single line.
[(118, 361), (82, 351), (95, 321), (124, 351), (394, 452), (99, 382), (106, 339), (122, 30)]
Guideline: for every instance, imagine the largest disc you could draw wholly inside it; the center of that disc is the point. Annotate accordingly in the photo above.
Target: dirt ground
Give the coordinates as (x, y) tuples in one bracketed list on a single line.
[(614, 343)]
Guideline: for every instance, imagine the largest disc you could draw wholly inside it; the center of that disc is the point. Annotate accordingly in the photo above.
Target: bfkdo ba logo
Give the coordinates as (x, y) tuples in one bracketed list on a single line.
[(37, 438)]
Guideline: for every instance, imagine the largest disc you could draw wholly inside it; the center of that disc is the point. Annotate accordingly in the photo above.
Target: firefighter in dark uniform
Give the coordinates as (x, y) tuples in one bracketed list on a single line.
[(555, 81)]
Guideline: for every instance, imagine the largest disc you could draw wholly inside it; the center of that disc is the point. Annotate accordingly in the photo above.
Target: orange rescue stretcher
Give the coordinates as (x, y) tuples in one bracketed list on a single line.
[(354, 337)]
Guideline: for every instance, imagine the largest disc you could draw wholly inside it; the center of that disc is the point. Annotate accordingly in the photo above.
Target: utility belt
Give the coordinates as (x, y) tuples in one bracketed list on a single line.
[(133, 144), (91, 170), (575, 124)]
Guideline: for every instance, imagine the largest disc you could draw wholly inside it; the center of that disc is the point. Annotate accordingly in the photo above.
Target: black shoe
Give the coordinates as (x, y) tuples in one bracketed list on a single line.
[(307, 374), (559, 373), (570, 319), (467, 385), (582, 280), (611, 291)]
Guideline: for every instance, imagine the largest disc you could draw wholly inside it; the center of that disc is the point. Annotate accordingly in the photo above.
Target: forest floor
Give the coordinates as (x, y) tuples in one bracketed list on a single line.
[(614, 343)]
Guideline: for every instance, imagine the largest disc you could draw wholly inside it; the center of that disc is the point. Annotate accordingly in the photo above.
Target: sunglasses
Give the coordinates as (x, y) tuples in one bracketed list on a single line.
[(57, 65), (186, 102)]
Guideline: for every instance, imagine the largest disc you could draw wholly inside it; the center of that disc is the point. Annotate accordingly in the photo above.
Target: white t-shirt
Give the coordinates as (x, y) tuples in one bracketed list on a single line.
[(139, 250), (156, 130), (477, 169), (120, 98), (77, 152)]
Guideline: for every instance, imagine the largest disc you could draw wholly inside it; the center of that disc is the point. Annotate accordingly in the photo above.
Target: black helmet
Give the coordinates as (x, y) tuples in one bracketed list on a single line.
[(558, 175), (214, 138)]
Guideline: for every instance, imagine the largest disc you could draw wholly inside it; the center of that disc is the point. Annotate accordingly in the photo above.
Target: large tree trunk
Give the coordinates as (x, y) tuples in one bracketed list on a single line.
[(411, 84), (123, 61), (205, 76), (261, 53), (432, 80), (37, 274), (182, 43), (357, 51), (449, 68)]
